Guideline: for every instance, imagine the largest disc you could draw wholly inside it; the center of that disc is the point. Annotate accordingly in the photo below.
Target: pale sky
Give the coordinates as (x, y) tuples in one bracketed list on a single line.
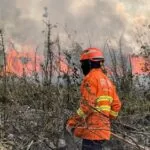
[(97, 20)]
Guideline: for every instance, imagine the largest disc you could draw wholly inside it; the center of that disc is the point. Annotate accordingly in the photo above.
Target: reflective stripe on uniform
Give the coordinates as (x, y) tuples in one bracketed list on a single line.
[(114, 113), (103, 108), (80, 112), (104, 98)]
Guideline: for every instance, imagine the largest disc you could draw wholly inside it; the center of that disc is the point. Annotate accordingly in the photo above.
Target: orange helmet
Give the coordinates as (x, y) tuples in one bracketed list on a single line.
[(93, 54)]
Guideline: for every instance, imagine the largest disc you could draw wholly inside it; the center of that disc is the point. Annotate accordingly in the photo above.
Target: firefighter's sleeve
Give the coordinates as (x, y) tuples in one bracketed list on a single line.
[(74, 121), (87, 102), (115, 106)]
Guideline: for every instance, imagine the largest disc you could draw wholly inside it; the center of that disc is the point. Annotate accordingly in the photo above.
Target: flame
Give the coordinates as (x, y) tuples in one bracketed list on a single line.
[(27, 61), (140, 65), (63, 66), (24, 62)]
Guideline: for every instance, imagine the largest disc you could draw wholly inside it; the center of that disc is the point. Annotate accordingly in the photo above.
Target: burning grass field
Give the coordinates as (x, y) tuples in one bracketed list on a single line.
[(33, 112), (39, 93)]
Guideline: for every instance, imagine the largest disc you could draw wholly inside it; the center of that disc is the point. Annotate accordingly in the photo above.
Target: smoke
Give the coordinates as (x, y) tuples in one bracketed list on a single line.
[(92, 20)]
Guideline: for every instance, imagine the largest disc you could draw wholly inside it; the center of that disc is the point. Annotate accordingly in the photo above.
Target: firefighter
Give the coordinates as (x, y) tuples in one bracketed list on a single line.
[(98, 104)]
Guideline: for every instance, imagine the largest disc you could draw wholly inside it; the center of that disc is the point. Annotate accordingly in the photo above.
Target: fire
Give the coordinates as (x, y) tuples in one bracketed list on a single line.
[(27, 61), (24, 62), (63, 65), (140, 65)]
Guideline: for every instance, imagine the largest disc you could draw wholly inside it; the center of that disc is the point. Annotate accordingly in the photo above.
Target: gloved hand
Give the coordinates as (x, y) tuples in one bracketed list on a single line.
[(70, 130)]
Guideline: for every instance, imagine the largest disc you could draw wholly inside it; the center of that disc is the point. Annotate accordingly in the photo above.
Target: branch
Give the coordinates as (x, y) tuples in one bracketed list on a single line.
[(140, 147)]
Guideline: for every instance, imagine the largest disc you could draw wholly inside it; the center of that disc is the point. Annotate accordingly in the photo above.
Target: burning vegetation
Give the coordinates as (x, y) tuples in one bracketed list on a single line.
[(39, 92)]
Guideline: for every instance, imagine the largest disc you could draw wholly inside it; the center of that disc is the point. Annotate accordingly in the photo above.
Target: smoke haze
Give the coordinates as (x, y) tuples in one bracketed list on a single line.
[(94, 20)]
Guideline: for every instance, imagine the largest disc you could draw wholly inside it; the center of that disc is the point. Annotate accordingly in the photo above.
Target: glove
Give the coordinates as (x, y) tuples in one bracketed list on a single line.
[(70, 130)]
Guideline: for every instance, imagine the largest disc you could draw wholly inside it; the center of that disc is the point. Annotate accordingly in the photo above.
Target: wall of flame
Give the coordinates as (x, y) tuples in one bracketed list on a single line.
[(28, 62), (25, 62)]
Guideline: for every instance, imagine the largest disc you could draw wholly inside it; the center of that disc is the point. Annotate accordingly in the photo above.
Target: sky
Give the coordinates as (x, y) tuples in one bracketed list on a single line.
[(89, 22)]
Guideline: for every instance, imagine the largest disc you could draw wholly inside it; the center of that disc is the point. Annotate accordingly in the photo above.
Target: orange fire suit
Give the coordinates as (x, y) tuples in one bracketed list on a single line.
[(99, 103)]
